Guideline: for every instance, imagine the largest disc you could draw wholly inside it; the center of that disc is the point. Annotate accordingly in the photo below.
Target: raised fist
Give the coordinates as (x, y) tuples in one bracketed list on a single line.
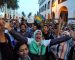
[(7, 26)]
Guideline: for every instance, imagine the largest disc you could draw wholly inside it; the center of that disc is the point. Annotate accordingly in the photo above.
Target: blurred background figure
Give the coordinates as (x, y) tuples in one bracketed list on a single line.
[(24, 32)]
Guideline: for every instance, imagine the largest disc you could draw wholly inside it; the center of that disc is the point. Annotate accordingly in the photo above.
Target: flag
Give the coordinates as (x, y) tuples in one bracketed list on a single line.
[(43, 18), (38, 18)]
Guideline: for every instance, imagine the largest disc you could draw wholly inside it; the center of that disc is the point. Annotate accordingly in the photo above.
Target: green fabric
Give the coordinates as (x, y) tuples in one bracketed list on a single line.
[(35, 49)]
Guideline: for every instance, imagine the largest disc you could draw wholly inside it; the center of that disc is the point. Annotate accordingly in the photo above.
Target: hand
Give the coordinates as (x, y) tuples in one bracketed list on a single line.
[(7, 26), (2, 38), (73, 35), (2, 23)]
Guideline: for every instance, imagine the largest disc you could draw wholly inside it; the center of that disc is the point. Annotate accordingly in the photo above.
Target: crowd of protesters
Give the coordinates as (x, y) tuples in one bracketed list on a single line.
[(23, 41)]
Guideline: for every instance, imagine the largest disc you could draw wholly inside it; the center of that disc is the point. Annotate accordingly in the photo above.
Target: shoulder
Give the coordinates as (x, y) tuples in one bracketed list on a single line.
[(30, 40), (46, 42)]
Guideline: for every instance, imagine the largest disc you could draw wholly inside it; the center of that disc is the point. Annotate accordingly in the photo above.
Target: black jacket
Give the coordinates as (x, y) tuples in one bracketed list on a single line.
[(6, 50)]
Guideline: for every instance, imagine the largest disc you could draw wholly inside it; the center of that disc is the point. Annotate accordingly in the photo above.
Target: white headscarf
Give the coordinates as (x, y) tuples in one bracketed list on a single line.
[(36, 33)]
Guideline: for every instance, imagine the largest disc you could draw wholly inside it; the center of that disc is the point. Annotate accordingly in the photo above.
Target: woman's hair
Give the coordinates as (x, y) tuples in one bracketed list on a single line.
[(23, 24), (16, 49), (18, 44)]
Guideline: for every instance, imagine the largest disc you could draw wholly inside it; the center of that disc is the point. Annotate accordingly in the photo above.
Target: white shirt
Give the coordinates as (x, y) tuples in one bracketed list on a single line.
[(45, 42)]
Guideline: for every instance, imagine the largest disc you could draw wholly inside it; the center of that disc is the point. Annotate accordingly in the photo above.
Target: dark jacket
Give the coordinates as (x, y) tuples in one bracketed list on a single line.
[(26, 34), (37, 57), (6, 50), (48, 35)]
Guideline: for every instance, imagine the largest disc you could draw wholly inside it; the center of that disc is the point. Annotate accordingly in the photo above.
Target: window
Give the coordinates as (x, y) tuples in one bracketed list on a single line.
[(48, 16), (41, 1), (39, 11), (42, 9), (53, 1), (48, 5), (60, 1), (45, 6)]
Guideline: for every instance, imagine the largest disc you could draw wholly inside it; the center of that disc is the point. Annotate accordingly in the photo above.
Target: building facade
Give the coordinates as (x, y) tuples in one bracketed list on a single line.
[(44, 8), (9, 12), (64, 9)]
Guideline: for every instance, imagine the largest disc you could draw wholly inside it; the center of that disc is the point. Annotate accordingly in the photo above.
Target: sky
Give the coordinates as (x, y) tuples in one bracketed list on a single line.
[(28, 6)]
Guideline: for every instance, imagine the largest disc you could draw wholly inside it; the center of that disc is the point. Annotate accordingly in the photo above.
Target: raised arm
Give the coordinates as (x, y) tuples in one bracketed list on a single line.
[(59, 40), (17, 36)]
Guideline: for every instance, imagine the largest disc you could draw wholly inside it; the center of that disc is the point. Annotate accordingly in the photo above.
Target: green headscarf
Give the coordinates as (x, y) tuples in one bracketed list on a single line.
[(37, 47)]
